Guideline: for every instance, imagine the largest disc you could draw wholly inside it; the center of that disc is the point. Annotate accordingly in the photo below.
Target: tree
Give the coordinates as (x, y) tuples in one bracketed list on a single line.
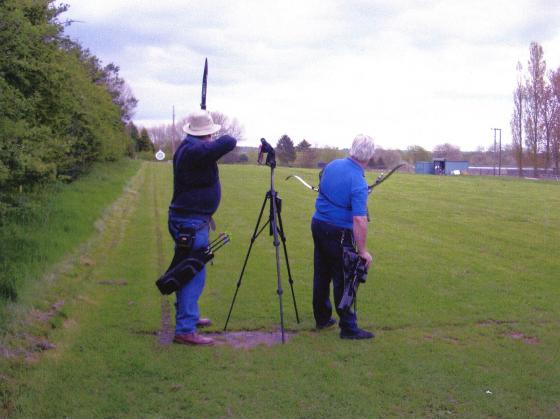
[(517, 120), (328, 154), (307, 157), (56, 117), (482, 156), (535, 90), (448, 151), (285, 150), (546, 118), (229, 126), (134, 137), (120, 91), (415, 153), (144, 142), (555, 125), (303, 146), (386, 158)]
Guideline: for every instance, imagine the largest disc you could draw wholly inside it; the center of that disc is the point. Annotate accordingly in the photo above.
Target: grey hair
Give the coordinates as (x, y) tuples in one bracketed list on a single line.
[(362, 148)]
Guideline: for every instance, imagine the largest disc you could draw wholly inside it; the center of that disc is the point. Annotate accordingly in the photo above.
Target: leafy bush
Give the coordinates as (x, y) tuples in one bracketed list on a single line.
[(58, 113)]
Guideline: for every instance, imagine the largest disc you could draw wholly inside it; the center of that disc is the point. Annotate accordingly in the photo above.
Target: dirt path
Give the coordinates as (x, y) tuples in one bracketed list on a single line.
[(165, 333)]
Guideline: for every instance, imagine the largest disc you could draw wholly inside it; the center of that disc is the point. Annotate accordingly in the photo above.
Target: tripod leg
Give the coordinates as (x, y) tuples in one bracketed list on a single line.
[(274, 224), (253, 238), (290, 280)]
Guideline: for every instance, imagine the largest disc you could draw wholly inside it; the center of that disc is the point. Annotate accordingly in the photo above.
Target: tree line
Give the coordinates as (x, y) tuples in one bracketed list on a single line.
[(535, 121), (61, 109), (167, 137), (305, 155)]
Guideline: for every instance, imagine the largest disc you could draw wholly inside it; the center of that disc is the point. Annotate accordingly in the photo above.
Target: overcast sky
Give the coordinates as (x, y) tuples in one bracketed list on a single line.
[(406, 72)]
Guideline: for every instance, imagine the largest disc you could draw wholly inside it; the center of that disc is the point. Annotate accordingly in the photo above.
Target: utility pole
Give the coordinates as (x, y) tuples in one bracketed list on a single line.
[(500, 153), (173, 132)]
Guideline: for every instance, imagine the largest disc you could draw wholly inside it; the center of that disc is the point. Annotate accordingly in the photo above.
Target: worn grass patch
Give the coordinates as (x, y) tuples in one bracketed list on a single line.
[(50, 223), (462, 297)]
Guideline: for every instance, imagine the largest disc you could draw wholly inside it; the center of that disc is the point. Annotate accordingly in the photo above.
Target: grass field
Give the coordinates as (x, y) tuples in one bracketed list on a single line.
[(51, 222), (463, 297)]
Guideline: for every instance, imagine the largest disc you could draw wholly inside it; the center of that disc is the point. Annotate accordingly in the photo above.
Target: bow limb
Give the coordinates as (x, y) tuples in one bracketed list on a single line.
[(383, 177), (307, 185), (204, 84)]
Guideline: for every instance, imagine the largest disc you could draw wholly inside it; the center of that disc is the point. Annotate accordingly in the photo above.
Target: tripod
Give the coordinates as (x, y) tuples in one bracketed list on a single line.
[(276, 230)]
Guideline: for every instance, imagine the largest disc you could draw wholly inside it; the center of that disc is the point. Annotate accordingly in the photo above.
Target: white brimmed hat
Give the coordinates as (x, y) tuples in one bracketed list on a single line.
[(200, 123)]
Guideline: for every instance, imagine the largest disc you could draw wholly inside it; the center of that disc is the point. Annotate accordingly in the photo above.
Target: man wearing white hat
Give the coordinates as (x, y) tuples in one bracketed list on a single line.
[(196, 197)]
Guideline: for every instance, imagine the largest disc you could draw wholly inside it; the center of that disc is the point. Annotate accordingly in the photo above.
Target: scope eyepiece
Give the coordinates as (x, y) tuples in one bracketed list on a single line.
[(266, 148)]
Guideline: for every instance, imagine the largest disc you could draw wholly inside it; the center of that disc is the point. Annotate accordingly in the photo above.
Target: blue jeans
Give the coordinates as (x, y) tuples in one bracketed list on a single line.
[(186, 305), (328, 266)]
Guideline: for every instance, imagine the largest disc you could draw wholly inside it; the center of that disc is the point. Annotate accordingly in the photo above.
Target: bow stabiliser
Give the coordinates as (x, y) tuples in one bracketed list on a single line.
[(204, 84), (380, 179)]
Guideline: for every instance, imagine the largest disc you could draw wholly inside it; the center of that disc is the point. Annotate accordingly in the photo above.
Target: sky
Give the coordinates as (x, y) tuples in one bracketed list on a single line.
[(406, 72)]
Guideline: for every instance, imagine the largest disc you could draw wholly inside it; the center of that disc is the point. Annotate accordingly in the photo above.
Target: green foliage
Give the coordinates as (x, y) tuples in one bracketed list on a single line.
[(303, 146), (416, 153), (57, 114), (307, 157), (328, 154), (285, 151), (144, 142), (134, 135)]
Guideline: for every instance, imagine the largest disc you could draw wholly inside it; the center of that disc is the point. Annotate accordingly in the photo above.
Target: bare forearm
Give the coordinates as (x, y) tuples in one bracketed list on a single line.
[(360, 225)]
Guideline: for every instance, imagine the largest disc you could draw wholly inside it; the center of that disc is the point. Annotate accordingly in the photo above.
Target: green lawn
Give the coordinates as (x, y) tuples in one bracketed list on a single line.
[(463, 297), (50, 222)]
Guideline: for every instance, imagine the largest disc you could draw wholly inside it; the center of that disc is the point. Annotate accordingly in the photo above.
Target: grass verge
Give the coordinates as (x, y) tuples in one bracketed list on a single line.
[(462, 297), (51, 223)]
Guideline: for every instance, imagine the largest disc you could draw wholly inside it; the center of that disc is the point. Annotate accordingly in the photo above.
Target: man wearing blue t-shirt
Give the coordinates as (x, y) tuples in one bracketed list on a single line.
[(196, 196), (340, 219)]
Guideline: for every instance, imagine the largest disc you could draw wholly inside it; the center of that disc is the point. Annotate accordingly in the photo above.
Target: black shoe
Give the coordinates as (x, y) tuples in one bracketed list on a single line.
[(355, 334), (328, 324)]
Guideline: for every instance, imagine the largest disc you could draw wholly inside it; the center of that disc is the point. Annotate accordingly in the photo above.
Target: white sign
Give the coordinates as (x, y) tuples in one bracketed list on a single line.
[(160, 155)]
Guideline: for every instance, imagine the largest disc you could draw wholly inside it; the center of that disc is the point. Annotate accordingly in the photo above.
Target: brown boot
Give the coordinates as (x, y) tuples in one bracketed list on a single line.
[(193, 339), (203, 322)]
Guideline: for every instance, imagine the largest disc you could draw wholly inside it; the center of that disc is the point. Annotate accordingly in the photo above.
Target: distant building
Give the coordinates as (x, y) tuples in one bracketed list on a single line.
[(442, 167)]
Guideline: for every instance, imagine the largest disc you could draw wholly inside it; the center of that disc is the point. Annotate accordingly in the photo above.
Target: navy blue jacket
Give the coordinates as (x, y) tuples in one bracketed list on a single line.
[(196, 182)]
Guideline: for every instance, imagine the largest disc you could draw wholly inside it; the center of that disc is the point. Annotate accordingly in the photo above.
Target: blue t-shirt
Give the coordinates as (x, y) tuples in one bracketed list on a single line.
[(343, 193)]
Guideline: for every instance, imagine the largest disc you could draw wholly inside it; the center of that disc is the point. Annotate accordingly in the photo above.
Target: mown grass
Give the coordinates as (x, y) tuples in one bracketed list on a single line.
[(52, 222), (463, 298)]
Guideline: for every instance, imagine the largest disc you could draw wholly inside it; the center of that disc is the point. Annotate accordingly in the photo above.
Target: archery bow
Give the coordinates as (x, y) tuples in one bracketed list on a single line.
[(204, 83), (380, 179), (307, 185), (383, 177)]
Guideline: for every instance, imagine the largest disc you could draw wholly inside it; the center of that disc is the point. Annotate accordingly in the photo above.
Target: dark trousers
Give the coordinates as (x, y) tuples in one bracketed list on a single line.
[(328, 266)]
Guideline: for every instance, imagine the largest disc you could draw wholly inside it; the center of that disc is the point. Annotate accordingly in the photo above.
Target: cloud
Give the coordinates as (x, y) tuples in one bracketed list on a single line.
[(407, 72)]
